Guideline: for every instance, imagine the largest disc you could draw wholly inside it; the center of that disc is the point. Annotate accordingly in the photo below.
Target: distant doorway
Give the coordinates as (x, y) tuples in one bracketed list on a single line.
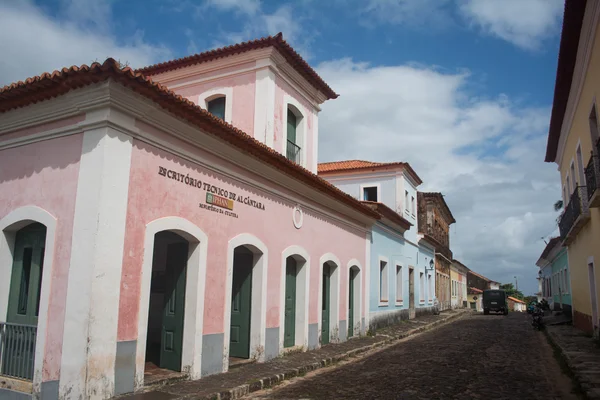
[(241, 303), (353, 300), (326, 305), (411, 293), (164, 341), (593, 298), (289, 329)]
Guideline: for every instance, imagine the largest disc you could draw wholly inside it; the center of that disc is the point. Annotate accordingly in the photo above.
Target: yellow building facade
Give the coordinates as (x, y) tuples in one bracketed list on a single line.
[(573, 144)]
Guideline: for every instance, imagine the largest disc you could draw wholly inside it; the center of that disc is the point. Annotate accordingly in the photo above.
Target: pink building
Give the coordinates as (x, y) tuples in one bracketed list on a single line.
[(140, 231)]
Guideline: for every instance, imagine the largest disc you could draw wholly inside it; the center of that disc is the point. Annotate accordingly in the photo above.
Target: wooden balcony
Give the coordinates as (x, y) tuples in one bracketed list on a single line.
[(575, 216)]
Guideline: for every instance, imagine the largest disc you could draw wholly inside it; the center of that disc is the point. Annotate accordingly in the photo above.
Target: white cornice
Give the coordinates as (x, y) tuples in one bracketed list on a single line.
[(113, 96), (261, 58), (584, 53), (350, 175)]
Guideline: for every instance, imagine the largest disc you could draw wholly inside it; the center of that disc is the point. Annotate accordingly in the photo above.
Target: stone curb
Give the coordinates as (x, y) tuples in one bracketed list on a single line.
[(273, 380), (591, 392)]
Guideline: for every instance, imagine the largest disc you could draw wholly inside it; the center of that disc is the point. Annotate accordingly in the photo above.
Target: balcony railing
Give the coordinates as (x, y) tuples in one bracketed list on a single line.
[(17, 350), (293, 152), (592, 177), (575, 214)]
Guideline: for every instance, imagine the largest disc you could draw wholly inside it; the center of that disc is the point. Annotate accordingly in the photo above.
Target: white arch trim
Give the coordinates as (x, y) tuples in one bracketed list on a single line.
[(302, 295), (9, 225), (359, 292), (191, 358), (334, 315), (258, 313), (211, 94)]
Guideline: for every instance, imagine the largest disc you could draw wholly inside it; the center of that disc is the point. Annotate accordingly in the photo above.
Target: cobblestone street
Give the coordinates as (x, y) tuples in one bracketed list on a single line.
[(479, 357)]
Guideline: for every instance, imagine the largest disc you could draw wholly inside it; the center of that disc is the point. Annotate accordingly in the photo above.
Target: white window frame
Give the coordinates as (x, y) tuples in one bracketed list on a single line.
[(570, 192), (301, 128), (413, 210), (214, 93), (406, 195), (384, 281), (421, 287), (580, 165), (399, 285), (361, 195), (431, 291)]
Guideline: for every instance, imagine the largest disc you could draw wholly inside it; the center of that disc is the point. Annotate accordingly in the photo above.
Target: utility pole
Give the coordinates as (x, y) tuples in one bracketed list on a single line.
[(517, 283)]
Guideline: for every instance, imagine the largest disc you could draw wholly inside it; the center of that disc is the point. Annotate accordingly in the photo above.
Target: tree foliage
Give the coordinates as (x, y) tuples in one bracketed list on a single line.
[(510, 290)]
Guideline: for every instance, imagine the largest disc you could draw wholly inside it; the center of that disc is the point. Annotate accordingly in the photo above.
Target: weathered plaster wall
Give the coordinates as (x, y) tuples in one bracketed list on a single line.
[(585, 247), (153, 196), (44, 174), (242, 99)]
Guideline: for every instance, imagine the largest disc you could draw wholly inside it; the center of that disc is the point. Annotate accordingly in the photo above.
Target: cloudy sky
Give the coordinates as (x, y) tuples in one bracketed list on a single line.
[(462, 90)]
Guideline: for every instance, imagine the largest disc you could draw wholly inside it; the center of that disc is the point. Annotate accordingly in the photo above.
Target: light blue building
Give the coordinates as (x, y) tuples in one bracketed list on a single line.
[(401, 275), (554, 276)]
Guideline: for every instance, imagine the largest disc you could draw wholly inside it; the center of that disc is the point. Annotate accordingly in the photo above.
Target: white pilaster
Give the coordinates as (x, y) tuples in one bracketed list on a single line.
[(264, 109), (91, 317), (315, 143)]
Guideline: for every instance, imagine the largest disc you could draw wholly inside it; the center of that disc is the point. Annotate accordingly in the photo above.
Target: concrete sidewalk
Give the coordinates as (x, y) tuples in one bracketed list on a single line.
[(256, 376), (582, 354)]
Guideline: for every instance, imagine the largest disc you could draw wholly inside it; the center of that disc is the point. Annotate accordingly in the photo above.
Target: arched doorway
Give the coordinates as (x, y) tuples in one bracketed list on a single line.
[(166, 310), (246, 323), (329, 299), (354, 298), (19, 332), (294, 319)]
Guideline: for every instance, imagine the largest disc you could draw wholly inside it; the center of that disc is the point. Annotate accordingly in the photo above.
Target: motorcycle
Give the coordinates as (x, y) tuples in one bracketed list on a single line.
[(537, 318)]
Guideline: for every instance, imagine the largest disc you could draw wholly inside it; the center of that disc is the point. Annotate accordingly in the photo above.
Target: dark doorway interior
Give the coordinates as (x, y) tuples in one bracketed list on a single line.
[(164, 342), (241, 304)]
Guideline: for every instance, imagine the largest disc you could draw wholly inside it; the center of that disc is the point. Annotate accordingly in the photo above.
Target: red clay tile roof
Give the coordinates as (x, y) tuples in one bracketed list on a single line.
[(387, 212), (47, 86), (439, 198), (567, 55), (276, 41), (515, 299), (474, 289), (357, 165)]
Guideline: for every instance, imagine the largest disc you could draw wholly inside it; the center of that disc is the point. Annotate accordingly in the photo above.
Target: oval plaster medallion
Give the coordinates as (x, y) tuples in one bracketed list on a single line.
[(298, 217)]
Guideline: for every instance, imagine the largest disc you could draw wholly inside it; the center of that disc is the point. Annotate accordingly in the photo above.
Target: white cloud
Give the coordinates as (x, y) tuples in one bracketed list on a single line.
[(286, 19), (245, 6), (414, 13), (484, 154), (39, 43), (525, 23)]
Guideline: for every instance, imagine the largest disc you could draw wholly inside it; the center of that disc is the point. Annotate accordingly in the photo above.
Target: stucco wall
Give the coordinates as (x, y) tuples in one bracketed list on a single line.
[(585, 247), (242, 98), (44, 174), (152, 196), (283, 93), (397, 251), (387, 188)]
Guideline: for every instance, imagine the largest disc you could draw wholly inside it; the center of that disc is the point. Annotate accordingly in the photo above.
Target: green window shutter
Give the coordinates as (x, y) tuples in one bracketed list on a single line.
[(217, 107), (291, 126)]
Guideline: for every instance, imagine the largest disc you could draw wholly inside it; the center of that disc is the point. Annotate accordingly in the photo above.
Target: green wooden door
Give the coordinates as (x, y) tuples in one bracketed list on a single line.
[(241, 296), (18, 346), (351, 303), (171, 345), (26, 277), (326, 304), (289, 338)]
